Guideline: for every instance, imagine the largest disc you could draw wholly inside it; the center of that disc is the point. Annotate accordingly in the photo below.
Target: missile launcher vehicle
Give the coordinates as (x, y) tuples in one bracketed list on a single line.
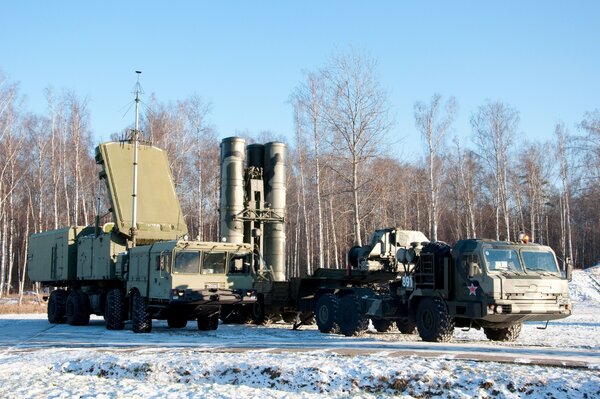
[(430, 286), (398, 278), (140, 266)]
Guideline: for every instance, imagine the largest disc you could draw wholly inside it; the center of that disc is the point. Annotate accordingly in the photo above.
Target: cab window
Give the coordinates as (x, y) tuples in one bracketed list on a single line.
[(187, 262), (214, 263), (502, 260), (239, 264), (471, 265), (539, 261), (163, 262)]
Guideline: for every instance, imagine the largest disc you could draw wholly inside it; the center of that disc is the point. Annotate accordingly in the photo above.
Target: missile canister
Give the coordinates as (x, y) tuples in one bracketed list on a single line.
[(274, 176), (232, 189)]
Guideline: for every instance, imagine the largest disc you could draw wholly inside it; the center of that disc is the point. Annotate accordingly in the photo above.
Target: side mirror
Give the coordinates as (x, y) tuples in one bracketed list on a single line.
[(569, 269)]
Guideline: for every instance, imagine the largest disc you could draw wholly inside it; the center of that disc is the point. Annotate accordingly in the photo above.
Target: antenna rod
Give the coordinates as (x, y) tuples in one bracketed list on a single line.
[(134, 139)]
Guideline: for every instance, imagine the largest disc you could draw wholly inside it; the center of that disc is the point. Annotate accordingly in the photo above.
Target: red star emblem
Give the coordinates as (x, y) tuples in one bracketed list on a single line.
[(472, 288)]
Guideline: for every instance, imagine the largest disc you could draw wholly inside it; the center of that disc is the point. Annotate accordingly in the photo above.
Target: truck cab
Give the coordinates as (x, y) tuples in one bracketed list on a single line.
[(502, 283), (481, 283), (182, 280)]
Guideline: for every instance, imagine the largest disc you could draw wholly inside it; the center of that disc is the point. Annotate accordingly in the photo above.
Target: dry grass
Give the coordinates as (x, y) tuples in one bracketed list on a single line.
[(30, 304)]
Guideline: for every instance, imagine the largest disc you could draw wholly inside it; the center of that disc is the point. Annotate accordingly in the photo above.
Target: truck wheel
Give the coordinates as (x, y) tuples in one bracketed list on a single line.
[(57, 306), (113, 313), (214, 321), (503, 334), (141, 322), (350, 317), (176, 321), (325, 313), (406, 326), (257, 311), (208, 322), (382, 325), (78, 308), (433, 320)]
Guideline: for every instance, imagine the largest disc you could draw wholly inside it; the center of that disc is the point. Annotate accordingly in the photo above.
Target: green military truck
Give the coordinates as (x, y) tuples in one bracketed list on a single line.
[(494, 285), (140, 266)]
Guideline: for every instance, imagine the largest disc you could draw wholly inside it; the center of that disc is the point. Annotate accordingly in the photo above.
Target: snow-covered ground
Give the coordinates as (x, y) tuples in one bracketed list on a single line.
[(60, 361)]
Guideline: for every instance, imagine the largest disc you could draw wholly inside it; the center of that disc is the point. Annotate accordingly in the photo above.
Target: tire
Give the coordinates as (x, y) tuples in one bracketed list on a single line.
[(434, 323), (325, 313), (406, 326), (258, 312), (208, 322), (437, 247), (114, 310), (141, 321), (78, 308), (508, 334), (176, 321), (382, 325), (350, 317), (57, 306)]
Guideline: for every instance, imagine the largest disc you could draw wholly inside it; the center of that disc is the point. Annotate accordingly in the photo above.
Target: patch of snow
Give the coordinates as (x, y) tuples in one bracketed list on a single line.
[(585, 287), (55, 373)]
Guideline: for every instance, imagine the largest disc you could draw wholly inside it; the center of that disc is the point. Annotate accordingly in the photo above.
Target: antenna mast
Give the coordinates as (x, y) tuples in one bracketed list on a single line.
[(135, 141)]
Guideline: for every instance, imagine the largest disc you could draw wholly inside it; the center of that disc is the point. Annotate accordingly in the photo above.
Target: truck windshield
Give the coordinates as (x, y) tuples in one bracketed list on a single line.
[(187, 262), (539, 261), (214, 263), (502, 260)]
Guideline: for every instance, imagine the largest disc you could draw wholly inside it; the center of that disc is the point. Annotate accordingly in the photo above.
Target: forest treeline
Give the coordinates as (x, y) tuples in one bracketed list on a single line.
[(344, 181)]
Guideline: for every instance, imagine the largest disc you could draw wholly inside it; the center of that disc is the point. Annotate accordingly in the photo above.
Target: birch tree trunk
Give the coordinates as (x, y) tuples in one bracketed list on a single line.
[(11, 229), (333, 234), (494, 124), (566, 238), (3, 243), (23, 273), (433, 126)]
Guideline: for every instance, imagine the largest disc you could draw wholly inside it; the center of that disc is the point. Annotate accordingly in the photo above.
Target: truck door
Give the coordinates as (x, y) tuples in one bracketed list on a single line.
[(239, 271), (160, 268), (467, 278)]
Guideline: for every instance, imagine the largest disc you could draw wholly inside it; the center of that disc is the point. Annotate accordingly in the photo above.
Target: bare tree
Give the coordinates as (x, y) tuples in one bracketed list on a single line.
[(494, 125), (566, 239), (357, 113), (462, 172), (533, 178), (10, 147), (433, 123), (197, 113), (591, 125), (302, 161), (307, 100)]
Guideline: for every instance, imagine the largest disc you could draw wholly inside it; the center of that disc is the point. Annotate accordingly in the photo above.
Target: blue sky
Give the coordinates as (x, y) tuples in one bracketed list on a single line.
[(541, 57)]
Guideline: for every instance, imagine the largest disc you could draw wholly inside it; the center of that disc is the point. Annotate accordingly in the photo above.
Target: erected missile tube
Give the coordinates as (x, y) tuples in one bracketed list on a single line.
[(232, 189), (274, 176)]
